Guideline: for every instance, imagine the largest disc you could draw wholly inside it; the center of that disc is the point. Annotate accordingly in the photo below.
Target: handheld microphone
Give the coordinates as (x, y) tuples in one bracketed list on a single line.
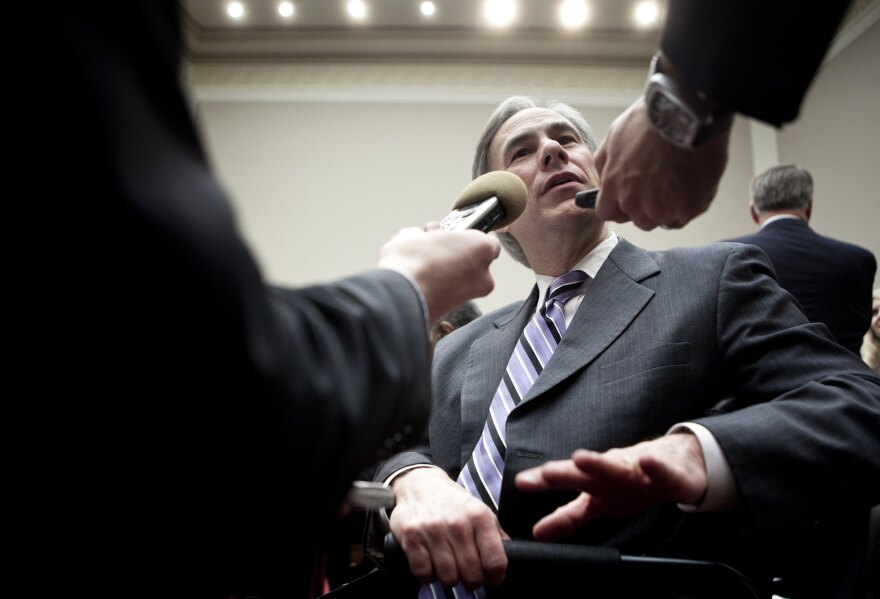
[(586, 198), (489, 202)]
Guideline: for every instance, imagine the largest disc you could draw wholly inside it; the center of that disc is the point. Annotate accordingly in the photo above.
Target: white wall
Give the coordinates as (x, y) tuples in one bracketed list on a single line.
[(324, 163), (837, 139)]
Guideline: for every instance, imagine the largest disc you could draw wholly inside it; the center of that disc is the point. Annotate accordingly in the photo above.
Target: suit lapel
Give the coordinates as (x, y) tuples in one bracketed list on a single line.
[(487, 359), (612, 301)]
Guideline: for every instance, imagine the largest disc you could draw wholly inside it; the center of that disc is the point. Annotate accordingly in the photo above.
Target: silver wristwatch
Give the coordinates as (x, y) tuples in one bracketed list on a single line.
[(681, 114)]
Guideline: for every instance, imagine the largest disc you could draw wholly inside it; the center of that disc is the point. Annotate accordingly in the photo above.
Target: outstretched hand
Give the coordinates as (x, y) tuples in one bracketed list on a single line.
[(618, 482)]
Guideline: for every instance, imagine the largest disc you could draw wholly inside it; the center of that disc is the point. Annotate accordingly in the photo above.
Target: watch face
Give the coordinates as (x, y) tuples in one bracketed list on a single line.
[(671, 118)]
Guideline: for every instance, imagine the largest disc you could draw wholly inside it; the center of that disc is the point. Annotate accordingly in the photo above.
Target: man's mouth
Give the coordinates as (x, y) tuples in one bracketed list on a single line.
[(560, 179)]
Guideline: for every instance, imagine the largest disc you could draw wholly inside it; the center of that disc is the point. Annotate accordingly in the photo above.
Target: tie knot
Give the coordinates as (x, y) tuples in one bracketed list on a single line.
[(566, 286)]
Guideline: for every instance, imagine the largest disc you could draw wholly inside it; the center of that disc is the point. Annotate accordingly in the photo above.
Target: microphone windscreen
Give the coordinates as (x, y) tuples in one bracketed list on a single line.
[(507, 187)]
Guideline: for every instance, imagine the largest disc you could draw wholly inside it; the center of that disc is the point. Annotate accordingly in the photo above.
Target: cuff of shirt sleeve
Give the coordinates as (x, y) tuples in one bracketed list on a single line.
[(721, 494)]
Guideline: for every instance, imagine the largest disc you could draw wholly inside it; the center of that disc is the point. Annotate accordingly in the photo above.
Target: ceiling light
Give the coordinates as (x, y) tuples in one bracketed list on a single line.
[(235, 10), (500, 13), (357, 9), (573, 13), (285, 9), (428, 9), (647, 13)]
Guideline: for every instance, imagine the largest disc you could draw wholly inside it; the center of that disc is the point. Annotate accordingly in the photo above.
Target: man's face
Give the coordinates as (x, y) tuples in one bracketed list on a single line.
[(547, 153)]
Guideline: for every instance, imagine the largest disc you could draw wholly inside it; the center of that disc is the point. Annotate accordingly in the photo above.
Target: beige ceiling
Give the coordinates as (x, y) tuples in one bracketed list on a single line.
[(396, 31)]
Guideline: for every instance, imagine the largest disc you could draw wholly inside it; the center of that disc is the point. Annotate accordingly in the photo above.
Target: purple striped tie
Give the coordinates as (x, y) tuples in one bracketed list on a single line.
[(481, 476)]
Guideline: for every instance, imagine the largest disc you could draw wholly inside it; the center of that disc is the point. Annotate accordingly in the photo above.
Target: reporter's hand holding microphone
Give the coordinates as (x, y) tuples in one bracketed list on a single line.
[(449, 260)]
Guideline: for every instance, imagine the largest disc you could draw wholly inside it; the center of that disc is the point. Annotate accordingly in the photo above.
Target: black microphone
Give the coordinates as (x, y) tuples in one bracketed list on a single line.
[(586, 198), (489, 202)]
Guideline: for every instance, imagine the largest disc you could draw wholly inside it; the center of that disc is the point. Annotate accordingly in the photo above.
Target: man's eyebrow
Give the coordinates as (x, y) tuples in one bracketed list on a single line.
[(562, 125), (554, 128), (516, 140)]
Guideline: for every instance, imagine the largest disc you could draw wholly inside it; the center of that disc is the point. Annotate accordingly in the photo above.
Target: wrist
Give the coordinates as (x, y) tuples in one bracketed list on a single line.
[(679, 112)]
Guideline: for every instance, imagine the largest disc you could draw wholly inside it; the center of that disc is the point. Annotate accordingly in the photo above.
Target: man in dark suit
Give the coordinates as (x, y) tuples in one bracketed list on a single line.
[(662, 159), (831, 279), (777, 454), (191, 431)]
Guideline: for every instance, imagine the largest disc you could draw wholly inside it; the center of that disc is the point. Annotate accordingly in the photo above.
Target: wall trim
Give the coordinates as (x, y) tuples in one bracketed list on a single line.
[(439, 84)]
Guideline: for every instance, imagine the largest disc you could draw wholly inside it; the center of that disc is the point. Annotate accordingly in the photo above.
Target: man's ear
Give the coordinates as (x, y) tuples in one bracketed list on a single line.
[(809, 210), (753, 212), (444, 327)]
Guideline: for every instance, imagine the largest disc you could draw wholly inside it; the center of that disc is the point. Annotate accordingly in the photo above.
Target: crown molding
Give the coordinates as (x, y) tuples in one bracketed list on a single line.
[(441, 66), (861, 16), (422, 83)]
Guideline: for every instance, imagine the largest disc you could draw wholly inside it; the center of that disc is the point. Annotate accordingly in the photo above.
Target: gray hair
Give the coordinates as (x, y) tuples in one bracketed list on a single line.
[(785, 187), (505, 110)]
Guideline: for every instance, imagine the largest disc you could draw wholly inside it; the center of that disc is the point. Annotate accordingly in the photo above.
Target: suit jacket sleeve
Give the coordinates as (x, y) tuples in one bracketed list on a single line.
[(221, 418), (765, 78), (803, 435)]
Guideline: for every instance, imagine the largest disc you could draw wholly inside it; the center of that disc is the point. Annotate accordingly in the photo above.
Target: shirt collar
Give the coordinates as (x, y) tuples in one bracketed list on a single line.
[(773, 219), (590, 264)]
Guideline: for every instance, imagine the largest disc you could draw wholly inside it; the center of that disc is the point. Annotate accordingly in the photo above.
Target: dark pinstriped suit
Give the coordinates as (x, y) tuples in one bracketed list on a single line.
[(661, 338)]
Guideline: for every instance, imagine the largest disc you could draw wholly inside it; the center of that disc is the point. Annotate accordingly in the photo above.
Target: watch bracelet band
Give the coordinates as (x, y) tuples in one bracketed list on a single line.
[(714, 121)]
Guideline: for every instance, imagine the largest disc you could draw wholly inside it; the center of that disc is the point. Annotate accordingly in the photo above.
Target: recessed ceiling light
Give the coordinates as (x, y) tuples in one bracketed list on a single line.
[(573, 13), (285, 9), (428, 9), (500, 13), (647, 13), (357, 9), (235, 10)]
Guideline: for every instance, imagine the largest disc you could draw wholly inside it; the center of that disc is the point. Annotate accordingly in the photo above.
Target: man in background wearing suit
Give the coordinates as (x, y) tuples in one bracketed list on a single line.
[(831, 279), (192, 431), (778, 455)]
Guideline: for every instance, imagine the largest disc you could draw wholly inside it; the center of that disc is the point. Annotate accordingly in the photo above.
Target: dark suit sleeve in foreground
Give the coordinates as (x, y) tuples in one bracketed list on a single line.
[(757, 58), (198, 428)]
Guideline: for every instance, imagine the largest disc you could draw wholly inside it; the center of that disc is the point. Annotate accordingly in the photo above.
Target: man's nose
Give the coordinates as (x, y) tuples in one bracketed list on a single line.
[(552, 151)]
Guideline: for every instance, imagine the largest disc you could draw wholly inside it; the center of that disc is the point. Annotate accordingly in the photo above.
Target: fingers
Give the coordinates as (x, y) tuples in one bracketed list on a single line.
[(600, 158), (492, 558), (559, 474), (472, 555), (615, 468), (586, 471), (564, 520), (421, 559), (607, 207), (457, 540), (464, 543), (456, 559)]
